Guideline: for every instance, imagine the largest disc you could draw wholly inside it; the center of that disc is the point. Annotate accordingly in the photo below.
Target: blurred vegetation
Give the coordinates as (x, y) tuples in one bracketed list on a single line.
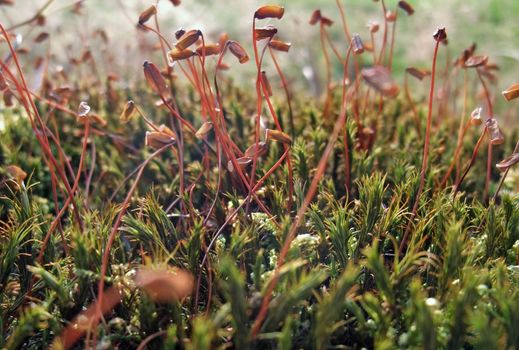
[(180, 216), (490, 23)]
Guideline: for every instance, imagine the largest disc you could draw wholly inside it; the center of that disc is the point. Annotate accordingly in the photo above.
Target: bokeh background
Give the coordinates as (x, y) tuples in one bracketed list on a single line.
[(492, 24)]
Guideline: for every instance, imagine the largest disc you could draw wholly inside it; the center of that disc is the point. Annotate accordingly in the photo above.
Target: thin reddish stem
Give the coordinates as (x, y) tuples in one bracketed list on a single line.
[(457, 153), (384, 40), (471, 163), (425, 152), (343, 20), (284, 84), (489, 147), (392, 46)]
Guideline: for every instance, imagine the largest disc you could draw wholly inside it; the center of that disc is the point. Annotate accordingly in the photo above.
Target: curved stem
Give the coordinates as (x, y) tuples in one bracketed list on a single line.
[(487, 94), (149, 338), (501, 182), (384, 40), (392, 46), (33, 18), (457, 153), (425, 152), (287, 92), (343, 20), (471, 163)]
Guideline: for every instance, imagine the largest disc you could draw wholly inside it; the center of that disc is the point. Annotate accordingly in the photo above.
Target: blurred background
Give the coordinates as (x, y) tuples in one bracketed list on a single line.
[(492, 24)]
